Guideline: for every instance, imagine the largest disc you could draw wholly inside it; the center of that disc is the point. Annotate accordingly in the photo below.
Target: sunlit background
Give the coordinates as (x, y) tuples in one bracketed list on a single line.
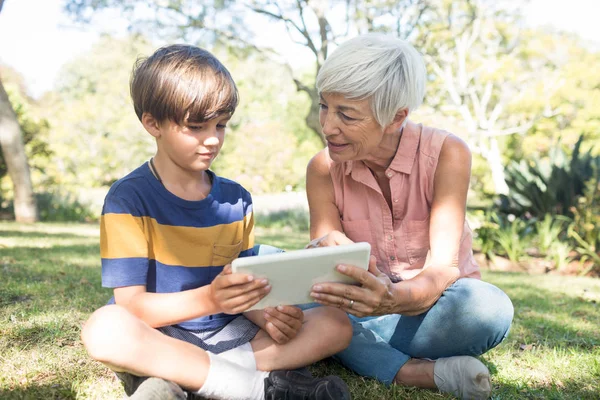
[(527, 102)]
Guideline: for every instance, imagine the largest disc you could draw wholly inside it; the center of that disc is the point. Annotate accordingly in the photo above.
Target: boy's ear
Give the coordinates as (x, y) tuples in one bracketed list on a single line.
[(151, 124), (399, 119)]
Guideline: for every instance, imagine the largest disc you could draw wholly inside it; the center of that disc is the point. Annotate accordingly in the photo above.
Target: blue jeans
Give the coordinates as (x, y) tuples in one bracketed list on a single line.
[(470, 318)]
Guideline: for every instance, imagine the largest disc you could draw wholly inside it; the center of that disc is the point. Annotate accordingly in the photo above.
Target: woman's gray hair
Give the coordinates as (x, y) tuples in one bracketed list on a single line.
[(386, 70)]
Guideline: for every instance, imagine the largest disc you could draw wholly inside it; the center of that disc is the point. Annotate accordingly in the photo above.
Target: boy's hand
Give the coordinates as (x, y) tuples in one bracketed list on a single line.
[(283, 322), (235, 293)]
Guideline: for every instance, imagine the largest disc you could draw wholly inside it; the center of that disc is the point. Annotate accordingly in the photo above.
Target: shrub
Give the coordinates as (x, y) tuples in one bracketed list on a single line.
[(55, 207), (551, 185), (296, 219)]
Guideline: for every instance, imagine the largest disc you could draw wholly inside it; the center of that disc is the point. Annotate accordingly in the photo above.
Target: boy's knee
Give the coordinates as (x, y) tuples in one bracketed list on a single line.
[(339, 327), (108, 332)]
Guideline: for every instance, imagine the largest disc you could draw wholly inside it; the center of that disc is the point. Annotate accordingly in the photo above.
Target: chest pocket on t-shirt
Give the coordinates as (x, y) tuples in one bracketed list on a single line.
[(417, 240), (225, 253), (358, 231)]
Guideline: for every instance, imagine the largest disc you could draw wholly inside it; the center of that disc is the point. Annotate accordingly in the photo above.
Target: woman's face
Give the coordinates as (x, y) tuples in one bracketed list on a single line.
[(349, 127)]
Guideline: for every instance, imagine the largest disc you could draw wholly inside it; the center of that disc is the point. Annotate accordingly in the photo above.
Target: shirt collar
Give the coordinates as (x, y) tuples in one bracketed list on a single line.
[(406, 153)]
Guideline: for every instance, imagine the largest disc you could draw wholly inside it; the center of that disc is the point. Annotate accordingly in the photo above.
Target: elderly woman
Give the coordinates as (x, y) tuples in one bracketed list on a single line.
[(421, 313)]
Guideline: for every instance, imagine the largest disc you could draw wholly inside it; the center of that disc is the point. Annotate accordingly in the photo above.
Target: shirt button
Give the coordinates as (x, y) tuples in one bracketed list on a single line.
[(389, 174), (392, 258), (390, 237), (395, 200)]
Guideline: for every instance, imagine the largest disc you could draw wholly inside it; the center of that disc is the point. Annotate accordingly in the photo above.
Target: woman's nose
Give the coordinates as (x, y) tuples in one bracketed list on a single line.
[(328, 125)]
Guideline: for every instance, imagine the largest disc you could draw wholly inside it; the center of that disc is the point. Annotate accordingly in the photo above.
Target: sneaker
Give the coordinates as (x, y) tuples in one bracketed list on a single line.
[(143, 387), (463, 376), (297, 385), (130, 382)]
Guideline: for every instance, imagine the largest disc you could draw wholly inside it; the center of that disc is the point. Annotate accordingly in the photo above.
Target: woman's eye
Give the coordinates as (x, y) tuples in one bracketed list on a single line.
[(346, 118), (322, 106)]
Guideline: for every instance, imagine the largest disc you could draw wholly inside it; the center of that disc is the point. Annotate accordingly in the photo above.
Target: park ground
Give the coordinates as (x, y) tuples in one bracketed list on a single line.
[(51, 283)]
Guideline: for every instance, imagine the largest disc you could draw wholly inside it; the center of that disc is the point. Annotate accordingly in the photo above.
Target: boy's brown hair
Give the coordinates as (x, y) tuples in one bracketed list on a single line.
[(182, 83)]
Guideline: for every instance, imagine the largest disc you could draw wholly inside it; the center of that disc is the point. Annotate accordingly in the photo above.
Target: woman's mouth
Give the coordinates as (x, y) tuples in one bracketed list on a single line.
[(335, 147)]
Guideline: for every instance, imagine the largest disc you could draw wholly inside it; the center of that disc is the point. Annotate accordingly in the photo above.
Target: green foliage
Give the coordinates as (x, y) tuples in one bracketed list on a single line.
[(35, 131), (96, 136), (549, 185), (585, 229), (485, 235), (513, 238), (566, 103), (551, 240), (54, 207), (499, 234), (295, 219), (549, 231), (269, 144)]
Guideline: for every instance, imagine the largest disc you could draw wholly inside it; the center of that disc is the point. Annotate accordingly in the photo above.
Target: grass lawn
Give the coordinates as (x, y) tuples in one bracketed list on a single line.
[(50, 283)]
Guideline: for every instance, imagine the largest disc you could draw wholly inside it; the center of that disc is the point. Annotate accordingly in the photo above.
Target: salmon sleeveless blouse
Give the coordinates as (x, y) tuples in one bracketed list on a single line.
[(399, 237)]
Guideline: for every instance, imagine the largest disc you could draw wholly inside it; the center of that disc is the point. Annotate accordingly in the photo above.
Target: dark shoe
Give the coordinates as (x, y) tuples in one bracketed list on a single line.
[(130, 382), (295, 385), (145, 388), (158, 389)]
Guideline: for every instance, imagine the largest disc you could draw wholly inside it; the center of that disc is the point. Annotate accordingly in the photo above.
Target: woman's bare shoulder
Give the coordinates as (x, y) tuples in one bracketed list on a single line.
[(320, 164)]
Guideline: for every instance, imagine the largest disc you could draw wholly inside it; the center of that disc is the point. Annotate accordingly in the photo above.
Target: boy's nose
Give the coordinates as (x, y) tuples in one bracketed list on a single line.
[(212, 140)]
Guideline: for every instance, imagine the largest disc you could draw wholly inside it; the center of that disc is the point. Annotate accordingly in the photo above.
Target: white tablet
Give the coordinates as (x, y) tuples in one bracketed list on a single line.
[(292, 274)]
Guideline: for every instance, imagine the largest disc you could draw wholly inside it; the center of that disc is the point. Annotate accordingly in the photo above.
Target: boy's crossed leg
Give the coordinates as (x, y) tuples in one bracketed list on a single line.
[(126, 344)]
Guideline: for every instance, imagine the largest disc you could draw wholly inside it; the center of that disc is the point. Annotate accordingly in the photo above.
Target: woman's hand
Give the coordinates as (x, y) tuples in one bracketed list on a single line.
[(235, 293), (283, 322), (333, 238), (374, 296)]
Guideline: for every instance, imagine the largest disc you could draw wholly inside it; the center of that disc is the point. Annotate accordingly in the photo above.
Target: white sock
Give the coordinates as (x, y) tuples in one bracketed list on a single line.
[(229, 381), (242, 356)]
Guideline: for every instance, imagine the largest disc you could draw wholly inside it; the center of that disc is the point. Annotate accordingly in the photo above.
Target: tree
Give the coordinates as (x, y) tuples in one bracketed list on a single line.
[(313, 26), (96, 137), (481, 71), (11, 141)]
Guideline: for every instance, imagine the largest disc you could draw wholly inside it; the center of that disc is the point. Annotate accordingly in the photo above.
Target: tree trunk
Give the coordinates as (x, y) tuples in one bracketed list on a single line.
[(494, 160), (11, 141), (312, 119)]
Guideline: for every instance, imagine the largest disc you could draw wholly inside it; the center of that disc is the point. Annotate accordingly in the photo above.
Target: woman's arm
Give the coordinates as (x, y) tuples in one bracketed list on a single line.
[(378, 296), (448, 209), (324, 215), (447, 219)]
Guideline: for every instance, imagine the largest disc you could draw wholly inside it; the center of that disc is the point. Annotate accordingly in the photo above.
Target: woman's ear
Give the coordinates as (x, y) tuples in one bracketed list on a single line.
[(398, 121), (151, 124)]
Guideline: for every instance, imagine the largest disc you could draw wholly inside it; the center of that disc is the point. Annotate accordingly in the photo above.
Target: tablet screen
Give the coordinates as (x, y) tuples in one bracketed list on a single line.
[(292, 274)]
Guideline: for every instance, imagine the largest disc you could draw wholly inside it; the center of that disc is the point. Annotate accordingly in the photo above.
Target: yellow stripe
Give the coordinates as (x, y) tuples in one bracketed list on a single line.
[(124, 236)]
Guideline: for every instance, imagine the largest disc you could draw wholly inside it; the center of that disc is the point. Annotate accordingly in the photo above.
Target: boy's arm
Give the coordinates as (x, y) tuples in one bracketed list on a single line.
[(228, 293), (161, 309)]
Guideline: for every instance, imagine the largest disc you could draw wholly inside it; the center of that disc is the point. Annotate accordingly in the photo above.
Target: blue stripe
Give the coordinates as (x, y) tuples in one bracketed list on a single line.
[(230, 205)]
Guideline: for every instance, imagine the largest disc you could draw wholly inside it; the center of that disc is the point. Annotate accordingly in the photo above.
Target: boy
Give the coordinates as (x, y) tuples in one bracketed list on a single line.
[(169, 231)]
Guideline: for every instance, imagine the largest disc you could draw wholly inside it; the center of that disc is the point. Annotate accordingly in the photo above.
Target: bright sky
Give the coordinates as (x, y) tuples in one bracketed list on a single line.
[(36, 38)]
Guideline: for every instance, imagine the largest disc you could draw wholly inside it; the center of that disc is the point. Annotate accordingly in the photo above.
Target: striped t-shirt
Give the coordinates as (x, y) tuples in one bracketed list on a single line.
[(149, 236)]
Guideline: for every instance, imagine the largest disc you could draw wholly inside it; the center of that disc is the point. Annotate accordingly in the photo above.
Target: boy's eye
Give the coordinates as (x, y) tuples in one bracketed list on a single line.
[(221, 126), (194, 127)]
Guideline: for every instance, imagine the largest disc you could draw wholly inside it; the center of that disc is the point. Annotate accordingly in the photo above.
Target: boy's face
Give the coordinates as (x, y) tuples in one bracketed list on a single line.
[(194, 145)]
